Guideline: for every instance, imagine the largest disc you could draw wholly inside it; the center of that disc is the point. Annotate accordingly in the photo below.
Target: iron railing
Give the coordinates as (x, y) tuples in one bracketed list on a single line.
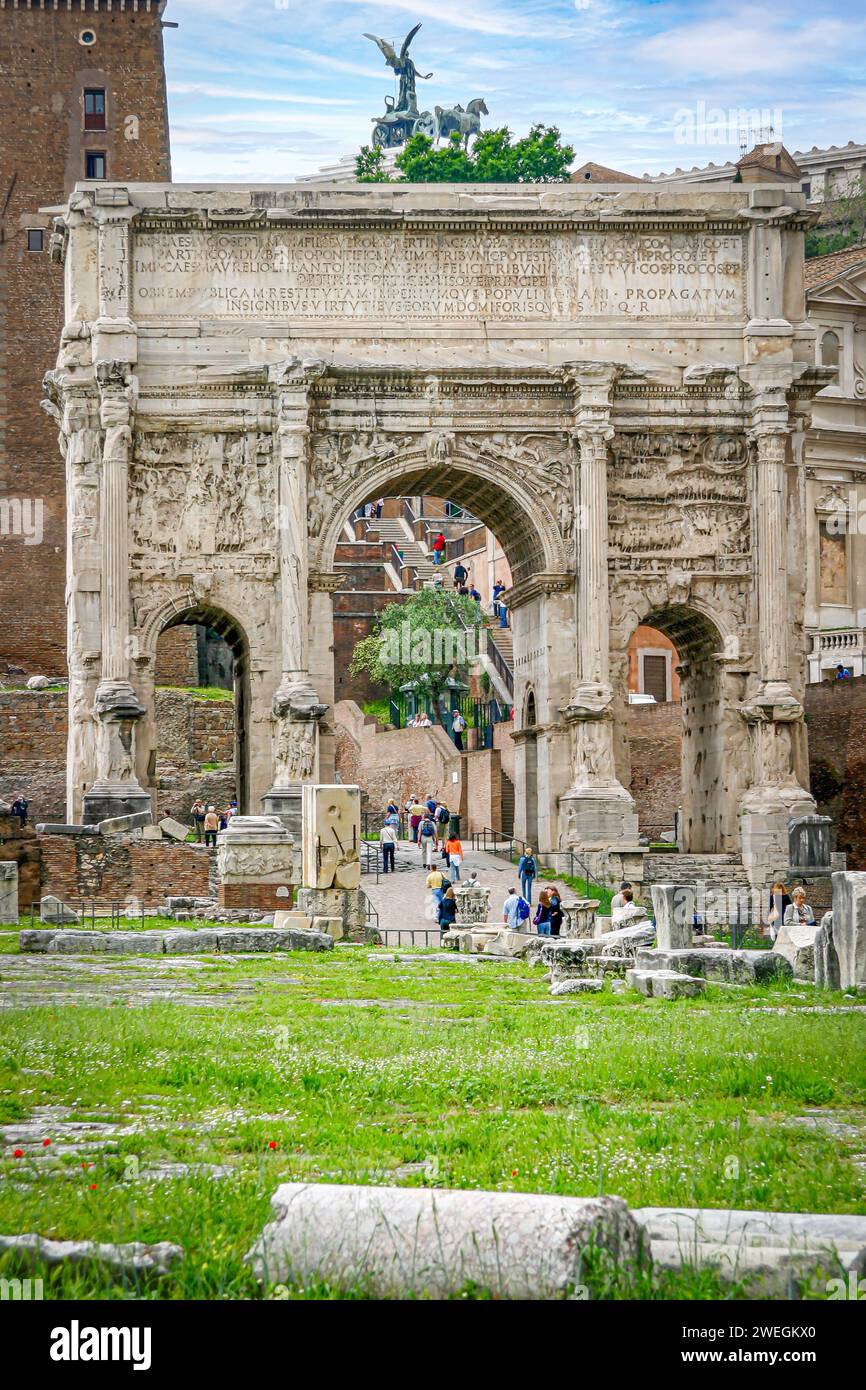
[(93, 914), (371, 928), (511, 847)]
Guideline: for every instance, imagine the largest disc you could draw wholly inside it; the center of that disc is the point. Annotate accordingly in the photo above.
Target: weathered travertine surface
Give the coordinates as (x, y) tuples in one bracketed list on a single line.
[(396, 1242), (9, 893), (616, 381)]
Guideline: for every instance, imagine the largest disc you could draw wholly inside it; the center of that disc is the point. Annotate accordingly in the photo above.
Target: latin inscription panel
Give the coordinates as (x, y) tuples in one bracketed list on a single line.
[(387, 275)]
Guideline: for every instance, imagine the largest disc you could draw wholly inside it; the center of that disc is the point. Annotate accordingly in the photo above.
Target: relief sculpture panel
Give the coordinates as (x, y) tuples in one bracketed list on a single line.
[(680, 497), (201, 493)]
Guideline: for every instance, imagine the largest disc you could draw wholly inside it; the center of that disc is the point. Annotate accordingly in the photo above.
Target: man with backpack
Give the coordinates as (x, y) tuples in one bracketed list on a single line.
[(427, 840), (515, 911), (442, 817), (527, 868)]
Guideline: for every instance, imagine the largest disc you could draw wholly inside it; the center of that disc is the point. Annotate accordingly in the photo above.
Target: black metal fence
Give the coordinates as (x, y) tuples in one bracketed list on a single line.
[(92, 914)]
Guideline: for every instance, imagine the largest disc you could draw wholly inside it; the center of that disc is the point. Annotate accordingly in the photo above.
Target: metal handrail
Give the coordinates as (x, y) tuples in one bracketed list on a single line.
[(103, 908), (372, 915), (506, 846), (499, 662)]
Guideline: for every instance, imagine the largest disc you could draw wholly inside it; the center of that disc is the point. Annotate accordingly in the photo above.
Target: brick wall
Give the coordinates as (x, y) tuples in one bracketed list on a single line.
[(396, 762), (655, 737), (836, 714), (177, 656), (483, 775), (113, 869), (23, 848), (190, 732), (42, 148)]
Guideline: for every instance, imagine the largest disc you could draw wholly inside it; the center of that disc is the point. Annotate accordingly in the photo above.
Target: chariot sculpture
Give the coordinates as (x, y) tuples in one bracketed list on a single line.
[(402, 119)]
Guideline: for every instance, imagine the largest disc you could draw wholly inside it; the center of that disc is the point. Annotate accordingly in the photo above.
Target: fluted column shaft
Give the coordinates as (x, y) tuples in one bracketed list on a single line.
[(771, 555)]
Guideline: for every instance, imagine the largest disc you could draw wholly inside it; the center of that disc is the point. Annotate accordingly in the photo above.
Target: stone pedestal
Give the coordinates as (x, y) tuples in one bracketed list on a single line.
[(674, 911), (9, 894), (116, 791), (809, 843), (473, 905), (254, 859)]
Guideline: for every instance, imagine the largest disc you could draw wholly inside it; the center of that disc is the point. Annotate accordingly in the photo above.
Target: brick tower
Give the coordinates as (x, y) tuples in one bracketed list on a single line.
[(84, 97)]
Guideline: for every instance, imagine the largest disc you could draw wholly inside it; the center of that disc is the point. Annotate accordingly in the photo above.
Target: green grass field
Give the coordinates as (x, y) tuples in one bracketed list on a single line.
[(341, 1069)]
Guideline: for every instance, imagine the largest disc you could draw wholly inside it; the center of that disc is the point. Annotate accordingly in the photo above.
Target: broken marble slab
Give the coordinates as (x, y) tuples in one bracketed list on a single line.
[(136, 1258), (665, 984)]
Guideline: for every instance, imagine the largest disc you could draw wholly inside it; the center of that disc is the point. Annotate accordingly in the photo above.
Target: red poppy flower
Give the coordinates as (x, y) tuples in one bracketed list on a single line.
[(514, 1172), (19, 1153), (45, 1143), (272, 1144), (93, 1186)]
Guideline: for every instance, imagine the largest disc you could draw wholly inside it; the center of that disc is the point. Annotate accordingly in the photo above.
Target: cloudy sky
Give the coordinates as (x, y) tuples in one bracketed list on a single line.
[(267, 90)]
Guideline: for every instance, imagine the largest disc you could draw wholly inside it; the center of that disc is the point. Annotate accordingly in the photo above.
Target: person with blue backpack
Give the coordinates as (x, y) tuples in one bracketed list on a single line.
[(515, 911), (527, 868)]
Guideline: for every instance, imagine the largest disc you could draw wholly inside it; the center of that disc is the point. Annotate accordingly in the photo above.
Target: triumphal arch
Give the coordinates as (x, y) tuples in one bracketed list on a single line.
[(617, 381)]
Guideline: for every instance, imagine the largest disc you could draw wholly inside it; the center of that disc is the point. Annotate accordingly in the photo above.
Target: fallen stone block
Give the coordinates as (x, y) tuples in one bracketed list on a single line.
[(173, 829), (52, 910), (189, 943), (674, 912), (330, 926), (506, 942), (31, 1251), (565, 956), (52, 828), (301, 921), (826, 957), (665, 984), (575, 986), (400, 1242), (35, 941), (122, 825), (732, 967), (70, 943), (38, 683), (133, 943), (626, 941), (849, 928), (767, 1250), (151, 832), (796, 942), (607, 965), (257, 939)]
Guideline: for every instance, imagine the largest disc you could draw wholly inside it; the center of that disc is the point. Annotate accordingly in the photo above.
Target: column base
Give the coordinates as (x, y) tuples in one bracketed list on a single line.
[(594, 819), (107, 803), (765, 817), (346, 903), (285, 804)]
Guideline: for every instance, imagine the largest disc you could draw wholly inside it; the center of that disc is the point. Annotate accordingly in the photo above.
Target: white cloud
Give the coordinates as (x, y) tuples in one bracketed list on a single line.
[(737, 45)]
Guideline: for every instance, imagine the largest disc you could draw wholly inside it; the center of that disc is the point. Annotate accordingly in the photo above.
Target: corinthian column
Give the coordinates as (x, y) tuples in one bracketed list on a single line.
[(297, 708), (116, 791), (597, 811)]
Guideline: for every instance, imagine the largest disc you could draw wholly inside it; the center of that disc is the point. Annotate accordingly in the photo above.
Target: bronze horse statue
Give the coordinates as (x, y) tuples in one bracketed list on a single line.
[(451, 119)]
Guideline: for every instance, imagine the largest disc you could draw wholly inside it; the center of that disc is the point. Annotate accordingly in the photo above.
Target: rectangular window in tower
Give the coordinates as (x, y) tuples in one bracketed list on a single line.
[(94, 108), (655, 677), (35, 239), (95, 165)]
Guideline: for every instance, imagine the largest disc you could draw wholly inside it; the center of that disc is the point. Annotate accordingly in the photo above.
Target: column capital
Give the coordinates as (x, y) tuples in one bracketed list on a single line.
[(592, 382)]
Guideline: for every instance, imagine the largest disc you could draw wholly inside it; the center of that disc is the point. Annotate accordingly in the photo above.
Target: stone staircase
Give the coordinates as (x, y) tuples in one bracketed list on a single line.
[(415, 555), (504, 640), (722, 882), (507, 795)]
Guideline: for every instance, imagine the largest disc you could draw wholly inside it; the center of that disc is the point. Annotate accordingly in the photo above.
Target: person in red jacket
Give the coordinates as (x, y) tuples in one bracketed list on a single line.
[(438, 549)]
